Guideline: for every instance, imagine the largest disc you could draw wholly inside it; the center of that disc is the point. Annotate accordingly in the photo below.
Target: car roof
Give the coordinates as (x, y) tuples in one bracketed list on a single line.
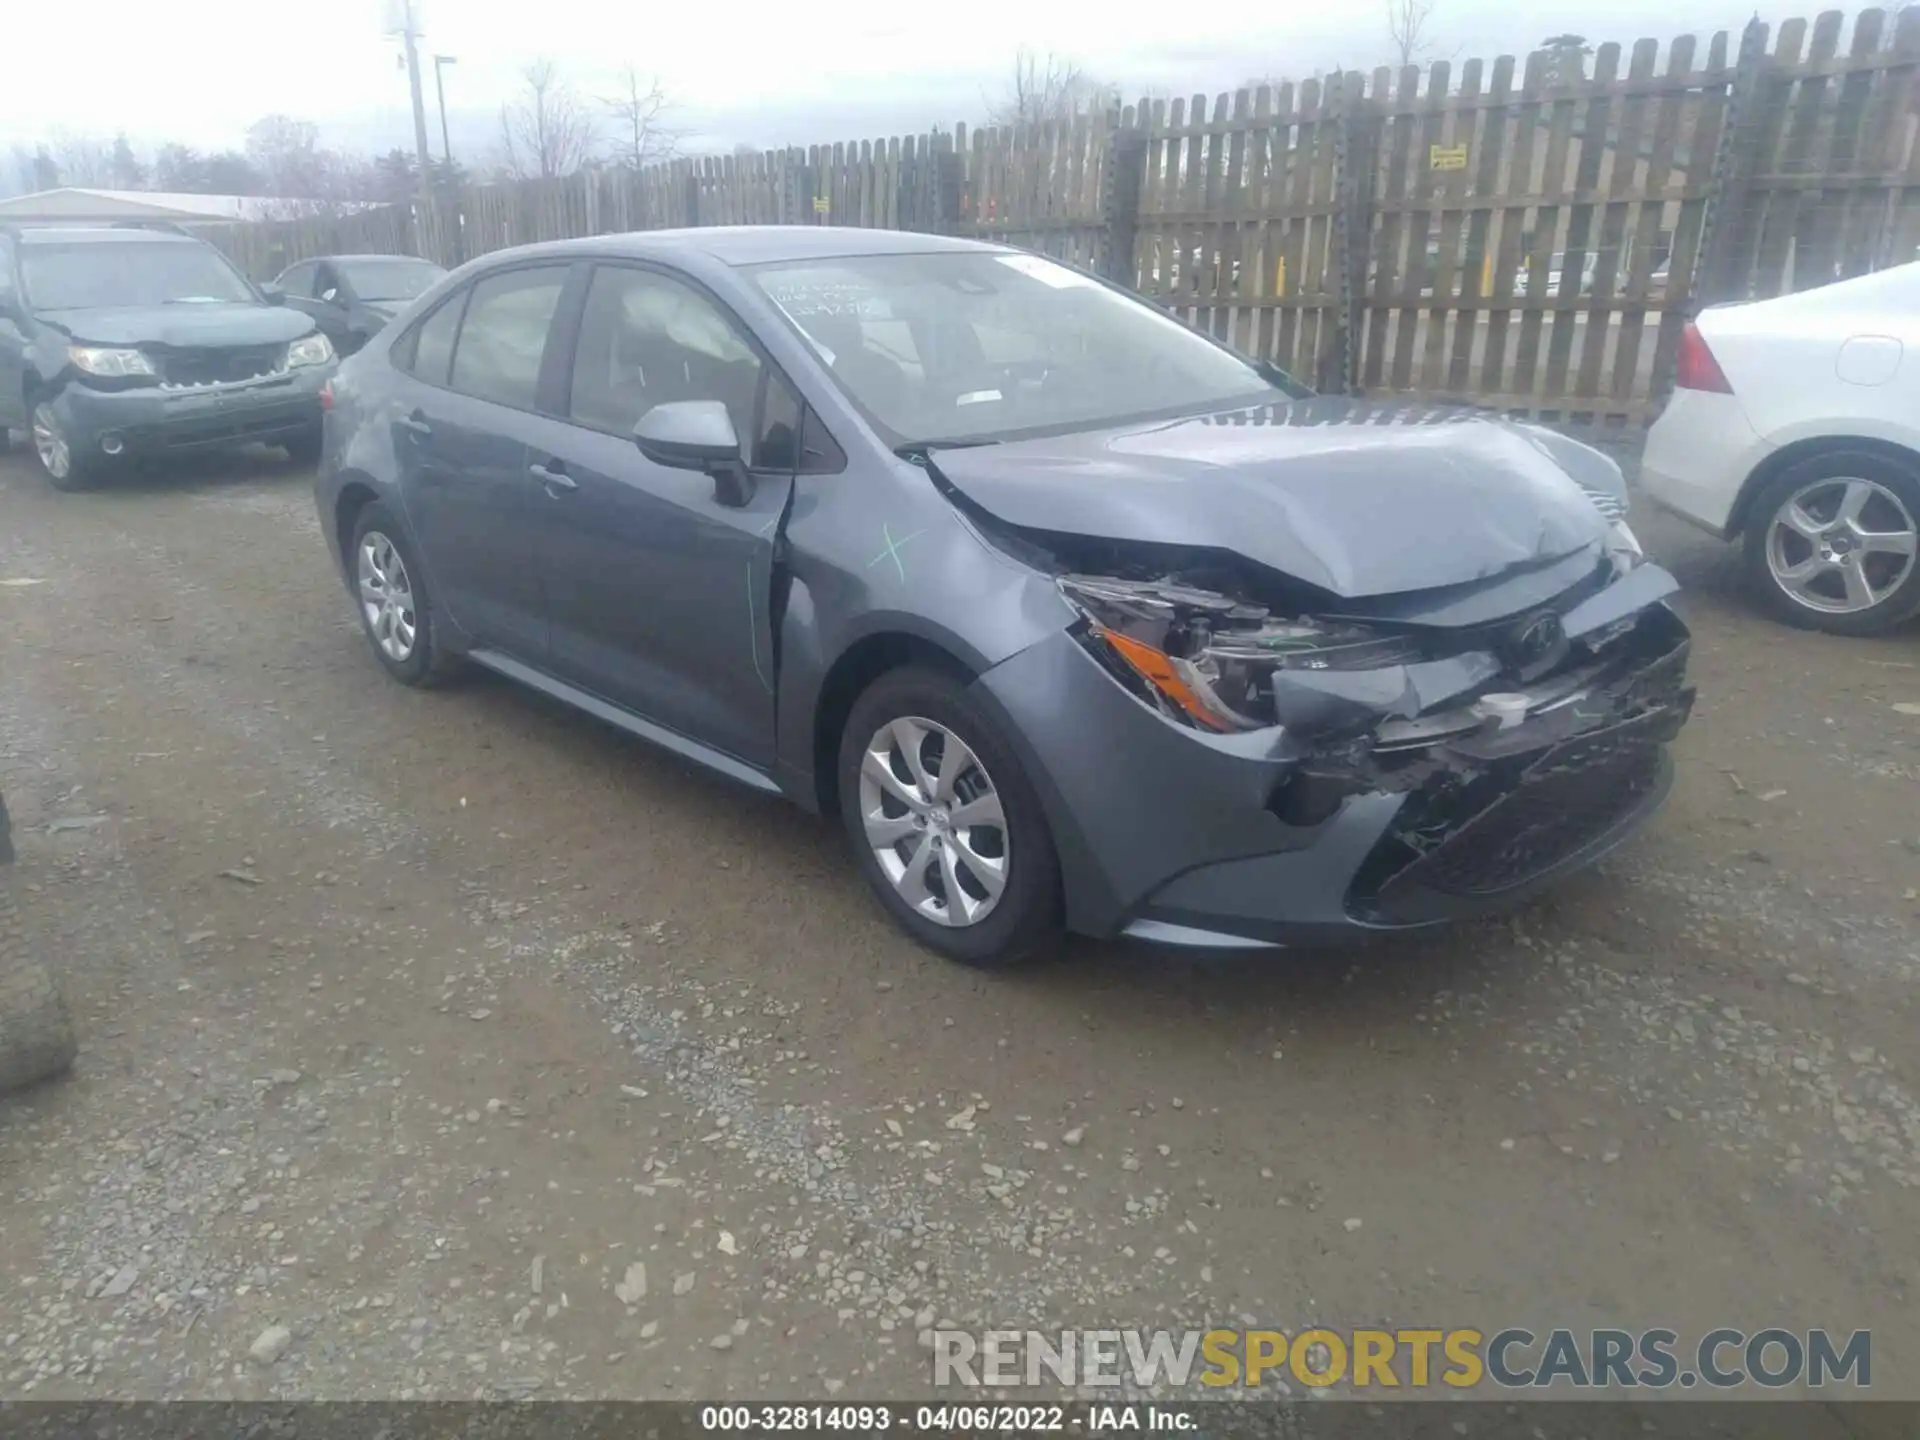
[(98, 235), (371, 255), (761, 244)]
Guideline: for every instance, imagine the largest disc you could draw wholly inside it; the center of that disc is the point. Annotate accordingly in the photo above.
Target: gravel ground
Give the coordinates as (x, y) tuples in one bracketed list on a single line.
[(451, 1044)]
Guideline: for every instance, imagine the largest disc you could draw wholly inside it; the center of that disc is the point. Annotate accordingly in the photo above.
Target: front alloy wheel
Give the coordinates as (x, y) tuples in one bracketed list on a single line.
[(934, 821), (944, 823), (55, 451), (1839, 547)]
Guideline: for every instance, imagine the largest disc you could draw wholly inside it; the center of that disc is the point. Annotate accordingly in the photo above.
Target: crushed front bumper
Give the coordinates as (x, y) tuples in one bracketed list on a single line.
[(152, 421), (1268, 838)]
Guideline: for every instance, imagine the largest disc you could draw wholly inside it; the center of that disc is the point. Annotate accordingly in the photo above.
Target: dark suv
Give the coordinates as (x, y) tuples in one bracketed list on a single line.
[(117, 341)]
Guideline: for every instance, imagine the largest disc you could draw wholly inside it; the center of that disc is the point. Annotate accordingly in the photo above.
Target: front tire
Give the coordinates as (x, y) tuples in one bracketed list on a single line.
[(396, 612), (66, 468), (944, 823), (1833, 543)]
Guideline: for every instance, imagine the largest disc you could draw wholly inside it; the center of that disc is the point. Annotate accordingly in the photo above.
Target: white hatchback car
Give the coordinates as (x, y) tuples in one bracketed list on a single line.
[(1794, 428)]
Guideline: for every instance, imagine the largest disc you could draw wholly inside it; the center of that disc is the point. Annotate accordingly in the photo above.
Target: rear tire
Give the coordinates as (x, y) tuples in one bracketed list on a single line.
[(1832, 504), (66, 468), (397, 613), (959, 833)]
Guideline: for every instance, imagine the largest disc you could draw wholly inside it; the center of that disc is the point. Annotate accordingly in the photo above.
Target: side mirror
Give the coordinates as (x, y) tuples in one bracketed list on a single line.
[(697, 435), (273, 294)]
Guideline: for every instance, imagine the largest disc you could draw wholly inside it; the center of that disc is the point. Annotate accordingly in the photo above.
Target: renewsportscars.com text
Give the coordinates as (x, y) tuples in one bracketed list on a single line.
[(1510, 1359)]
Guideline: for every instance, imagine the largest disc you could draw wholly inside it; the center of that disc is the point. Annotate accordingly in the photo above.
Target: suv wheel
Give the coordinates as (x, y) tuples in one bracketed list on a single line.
[(395, 609), (66, 468), (1834, 541), (944, 823)]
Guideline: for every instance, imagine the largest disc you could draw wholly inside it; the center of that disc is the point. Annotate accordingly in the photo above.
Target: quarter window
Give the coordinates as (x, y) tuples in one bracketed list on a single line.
[(428, 352)]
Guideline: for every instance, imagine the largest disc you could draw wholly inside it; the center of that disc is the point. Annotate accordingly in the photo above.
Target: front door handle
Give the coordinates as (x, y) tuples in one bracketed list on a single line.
[(554, 478), (415, 424)]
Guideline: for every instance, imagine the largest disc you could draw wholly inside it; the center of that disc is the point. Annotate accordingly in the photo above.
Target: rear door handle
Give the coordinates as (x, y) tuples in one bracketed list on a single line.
[(415, 424), (553, 477)]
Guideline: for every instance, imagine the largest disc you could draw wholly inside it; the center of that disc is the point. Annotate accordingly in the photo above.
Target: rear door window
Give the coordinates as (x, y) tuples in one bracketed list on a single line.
[(503, 336)]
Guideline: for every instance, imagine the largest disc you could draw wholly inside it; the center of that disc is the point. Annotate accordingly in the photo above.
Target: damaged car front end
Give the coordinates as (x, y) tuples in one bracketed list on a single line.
[(1263, 760), (1508, 752)]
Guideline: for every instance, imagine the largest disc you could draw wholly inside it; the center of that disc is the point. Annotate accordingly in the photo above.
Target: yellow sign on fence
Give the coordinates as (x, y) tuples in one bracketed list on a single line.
[(1447, 157), (821, 205)]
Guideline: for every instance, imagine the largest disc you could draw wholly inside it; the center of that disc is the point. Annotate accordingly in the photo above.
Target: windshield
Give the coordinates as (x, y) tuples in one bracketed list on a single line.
[(389, 279), (100, 276), (977, 346)]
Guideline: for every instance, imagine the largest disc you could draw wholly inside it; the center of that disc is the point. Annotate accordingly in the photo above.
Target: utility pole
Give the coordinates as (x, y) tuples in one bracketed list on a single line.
[(409, 29), (410, 35), (440, 63)]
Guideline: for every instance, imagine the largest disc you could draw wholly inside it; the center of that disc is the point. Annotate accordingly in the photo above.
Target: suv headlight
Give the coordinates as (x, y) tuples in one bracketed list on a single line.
[(313, 350), (108, 362), (1208, 660)]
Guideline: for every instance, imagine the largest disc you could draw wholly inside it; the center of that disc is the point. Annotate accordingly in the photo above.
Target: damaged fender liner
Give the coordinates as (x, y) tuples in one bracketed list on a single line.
[(1490, 811)]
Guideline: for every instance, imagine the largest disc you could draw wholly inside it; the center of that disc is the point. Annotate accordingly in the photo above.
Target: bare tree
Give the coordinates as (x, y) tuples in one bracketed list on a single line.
[(639, 109), (548, 131), (291, 163), (83, 160), (1049, 87), (1407, 24)]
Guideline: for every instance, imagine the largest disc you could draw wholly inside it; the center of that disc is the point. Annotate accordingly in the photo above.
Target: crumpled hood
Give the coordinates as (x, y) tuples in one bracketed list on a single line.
[(1358, 500), (183, 326)]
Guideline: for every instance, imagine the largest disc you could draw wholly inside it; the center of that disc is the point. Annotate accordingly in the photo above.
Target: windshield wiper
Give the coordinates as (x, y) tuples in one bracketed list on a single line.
[(910, 448)]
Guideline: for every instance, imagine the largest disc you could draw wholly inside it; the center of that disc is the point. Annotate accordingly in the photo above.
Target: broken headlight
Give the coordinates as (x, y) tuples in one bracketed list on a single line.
[(1623, 548), (1209, 660)]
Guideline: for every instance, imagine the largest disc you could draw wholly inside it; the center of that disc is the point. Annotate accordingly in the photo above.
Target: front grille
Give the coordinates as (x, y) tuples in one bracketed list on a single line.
[(221, 367), (1563, 804), (1479, 836)]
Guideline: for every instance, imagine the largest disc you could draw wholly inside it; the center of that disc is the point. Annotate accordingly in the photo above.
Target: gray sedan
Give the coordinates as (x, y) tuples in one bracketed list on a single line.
[(1071, 616)]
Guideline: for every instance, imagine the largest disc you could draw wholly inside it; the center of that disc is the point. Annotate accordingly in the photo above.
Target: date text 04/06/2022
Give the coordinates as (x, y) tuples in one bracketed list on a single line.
[(948, 1419)]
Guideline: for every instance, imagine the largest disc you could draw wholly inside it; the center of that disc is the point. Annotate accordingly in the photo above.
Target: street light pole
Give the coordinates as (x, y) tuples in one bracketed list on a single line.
[(440, 63)]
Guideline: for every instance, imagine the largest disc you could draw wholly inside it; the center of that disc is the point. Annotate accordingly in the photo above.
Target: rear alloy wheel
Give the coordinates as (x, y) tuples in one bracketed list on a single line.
[(65, 469), (395, 609), (945, 825), (1835, 544)]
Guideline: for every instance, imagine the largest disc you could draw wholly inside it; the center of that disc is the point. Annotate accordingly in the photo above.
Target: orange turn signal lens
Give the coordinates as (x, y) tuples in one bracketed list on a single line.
[(1158, 671)]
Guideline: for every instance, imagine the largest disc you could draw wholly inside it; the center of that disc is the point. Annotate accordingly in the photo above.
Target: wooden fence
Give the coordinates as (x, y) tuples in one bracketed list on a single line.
[(1506, 235)]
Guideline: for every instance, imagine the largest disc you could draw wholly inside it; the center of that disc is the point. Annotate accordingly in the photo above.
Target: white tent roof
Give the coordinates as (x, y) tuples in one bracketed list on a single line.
[(72, 202)]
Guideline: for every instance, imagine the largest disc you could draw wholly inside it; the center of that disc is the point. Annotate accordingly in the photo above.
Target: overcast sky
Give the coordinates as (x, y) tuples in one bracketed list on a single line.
[(201, 70)]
